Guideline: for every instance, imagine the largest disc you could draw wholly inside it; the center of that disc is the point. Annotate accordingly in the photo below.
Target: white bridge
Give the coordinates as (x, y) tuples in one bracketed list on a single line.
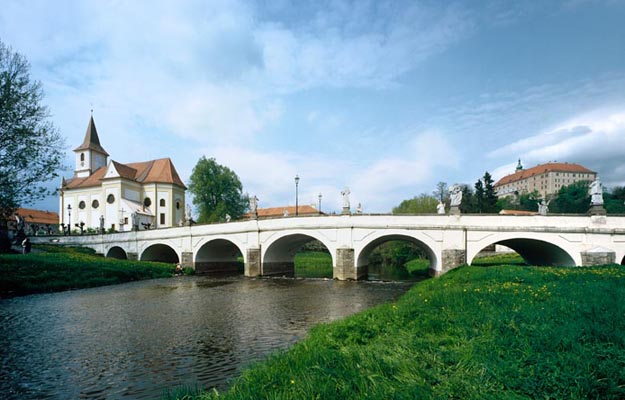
[(268, 247)]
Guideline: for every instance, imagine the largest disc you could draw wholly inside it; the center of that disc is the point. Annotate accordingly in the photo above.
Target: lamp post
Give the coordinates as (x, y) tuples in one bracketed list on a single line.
[(69, 219), (296, 196), (319, 209)]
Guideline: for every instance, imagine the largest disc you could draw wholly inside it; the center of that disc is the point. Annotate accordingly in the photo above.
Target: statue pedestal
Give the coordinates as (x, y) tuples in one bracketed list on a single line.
[(454, 210), (596, 209), (345, 211)]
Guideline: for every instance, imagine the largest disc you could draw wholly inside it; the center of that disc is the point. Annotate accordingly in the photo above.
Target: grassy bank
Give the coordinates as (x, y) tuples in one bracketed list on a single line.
[(474, 333), (58, 268)]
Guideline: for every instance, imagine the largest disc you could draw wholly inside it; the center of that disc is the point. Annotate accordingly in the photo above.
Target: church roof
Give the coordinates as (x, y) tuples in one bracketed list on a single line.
[(153, 171), (92, 141), (542, 169)]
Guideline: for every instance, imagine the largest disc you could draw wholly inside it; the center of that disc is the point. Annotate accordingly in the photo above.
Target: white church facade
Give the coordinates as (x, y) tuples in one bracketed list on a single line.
[(120, 197)]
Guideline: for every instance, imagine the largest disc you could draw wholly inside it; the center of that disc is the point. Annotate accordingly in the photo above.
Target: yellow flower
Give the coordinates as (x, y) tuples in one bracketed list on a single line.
[(292, 381)]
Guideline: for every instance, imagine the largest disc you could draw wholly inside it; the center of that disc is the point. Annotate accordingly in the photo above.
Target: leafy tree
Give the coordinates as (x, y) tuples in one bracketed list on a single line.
[(573, 199), (217, 191), (479, 196), (421, 204), (441, 193), (490, 198), (467, 206), (31, 149), (615, 200)]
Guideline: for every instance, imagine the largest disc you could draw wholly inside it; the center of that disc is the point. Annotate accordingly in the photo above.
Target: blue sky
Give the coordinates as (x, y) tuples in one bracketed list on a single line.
[(387, 98)]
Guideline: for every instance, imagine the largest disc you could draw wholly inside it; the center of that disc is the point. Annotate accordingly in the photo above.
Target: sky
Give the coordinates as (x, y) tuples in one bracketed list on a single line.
[(386, 98)]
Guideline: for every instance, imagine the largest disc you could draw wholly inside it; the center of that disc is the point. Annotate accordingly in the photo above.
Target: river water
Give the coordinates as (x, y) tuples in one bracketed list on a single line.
[(134, 340)]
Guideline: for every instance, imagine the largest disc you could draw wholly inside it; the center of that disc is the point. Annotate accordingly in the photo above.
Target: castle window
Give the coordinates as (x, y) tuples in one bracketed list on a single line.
[(110, 199), (95, 204), (147, 202), (161, 203), (81, 205)]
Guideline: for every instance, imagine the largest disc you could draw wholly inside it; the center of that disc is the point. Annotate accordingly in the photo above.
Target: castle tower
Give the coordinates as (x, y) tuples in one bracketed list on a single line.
[(90, 155)]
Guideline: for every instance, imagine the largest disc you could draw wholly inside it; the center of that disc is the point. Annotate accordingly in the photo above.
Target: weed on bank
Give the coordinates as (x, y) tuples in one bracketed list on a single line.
[(475, 333), (58, 268)]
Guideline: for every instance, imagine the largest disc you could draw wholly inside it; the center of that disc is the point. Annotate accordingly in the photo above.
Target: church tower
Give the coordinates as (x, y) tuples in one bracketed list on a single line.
[(90, 155)]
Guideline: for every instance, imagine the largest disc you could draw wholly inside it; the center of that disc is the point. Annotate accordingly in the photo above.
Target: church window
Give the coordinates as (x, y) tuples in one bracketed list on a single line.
[(95, 204), (82, 159), (147, 202), (162, 219), (177, 205), (161, 203), (110, 199), (81, 205)]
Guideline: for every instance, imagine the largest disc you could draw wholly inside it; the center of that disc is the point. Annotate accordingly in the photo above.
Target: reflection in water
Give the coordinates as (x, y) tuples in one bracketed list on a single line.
[(134, 340)]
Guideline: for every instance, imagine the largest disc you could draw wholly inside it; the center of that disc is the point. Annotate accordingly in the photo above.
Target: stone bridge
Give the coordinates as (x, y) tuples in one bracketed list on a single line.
[(268, 247)]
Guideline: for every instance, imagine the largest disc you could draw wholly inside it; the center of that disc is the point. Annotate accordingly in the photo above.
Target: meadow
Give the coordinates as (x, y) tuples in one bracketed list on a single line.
[(55, 268)]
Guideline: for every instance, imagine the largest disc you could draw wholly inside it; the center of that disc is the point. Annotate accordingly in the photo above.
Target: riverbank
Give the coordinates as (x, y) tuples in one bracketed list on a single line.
[(474, 333), (57, 268)]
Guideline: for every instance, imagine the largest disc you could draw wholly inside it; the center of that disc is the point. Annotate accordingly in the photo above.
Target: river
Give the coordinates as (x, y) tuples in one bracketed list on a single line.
[(135, 340)]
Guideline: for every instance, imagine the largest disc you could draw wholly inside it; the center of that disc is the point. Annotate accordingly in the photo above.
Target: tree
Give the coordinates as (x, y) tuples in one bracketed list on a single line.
[(615, 200), (441, 193), (479, 196), (467, 206), (31, 149), (490, 197), (572, 199), (421, 204), (217, 191)]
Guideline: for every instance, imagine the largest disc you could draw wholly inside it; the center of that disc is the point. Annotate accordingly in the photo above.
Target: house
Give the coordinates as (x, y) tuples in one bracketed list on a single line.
[(546, 179), (35, 221), (285, 211), (119, 197)]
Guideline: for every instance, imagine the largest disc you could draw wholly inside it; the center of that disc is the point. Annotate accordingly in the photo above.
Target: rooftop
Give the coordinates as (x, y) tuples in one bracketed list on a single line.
[(541, 169)]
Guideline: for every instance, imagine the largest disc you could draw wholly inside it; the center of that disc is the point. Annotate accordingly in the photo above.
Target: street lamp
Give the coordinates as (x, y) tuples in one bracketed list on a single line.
[(296, 196), (319, 209), (69, 219)]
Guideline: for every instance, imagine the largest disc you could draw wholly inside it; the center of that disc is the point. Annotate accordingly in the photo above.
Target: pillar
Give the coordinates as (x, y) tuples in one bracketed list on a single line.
[(186, 260), (252, 265), (346, 268), (598, 256), (132, 256), (452, 258)]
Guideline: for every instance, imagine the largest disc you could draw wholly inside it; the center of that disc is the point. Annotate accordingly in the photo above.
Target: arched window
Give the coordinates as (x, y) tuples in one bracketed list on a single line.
[(161, 203), (82, 156), (82, 205), (178, 205), (110, 199)]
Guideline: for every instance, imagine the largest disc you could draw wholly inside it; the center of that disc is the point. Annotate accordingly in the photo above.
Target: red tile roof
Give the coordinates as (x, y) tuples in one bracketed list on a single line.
[(517, 212), (153, 171), (38, 216), (279, 211), (541, 169)]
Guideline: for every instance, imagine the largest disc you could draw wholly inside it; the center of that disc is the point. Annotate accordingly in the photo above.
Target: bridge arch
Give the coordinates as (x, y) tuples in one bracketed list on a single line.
[(279, 253), (117, 252), (160, 252), (361, 255), (219, 256), (542, 252)]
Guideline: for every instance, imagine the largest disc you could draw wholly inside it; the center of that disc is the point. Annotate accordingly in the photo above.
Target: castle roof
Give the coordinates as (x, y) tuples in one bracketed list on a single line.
[(91, 141), (542, 169), (153, 171)]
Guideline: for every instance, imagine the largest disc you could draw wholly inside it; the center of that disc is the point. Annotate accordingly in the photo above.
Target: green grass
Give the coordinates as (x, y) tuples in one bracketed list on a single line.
[(474, 333), (313, 264), (61, 268), (499, 259)]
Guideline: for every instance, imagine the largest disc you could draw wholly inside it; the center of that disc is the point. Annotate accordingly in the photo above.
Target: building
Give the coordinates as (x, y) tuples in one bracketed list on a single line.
[(120, 197), (35, 222), (286, 211), (546, 179)]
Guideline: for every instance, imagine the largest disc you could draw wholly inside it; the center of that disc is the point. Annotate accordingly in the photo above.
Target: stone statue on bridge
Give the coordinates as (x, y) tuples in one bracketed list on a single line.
[(596, 192), (455, 195), (440, 208), (345, 193), (543, 207), (254, 206)]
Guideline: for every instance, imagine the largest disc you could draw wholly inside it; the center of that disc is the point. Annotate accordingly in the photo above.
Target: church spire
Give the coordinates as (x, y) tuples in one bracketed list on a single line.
[(519, 166), (92, 141)]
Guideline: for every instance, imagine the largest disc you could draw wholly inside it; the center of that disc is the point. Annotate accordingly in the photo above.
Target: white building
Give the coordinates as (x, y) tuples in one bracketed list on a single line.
[(148, 193)]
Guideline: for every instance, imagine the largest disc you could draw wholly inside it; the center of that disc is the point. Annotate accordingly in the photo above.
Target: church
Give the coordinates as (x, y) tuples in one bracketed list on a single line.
[(106, 194)]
